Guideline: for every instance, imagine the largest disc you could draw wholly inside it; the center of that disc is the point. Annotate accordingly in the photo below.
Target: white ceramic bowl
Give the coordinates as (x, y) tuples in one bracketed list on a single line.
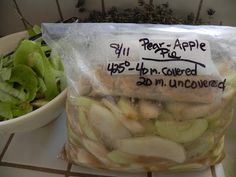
[(36, 118)]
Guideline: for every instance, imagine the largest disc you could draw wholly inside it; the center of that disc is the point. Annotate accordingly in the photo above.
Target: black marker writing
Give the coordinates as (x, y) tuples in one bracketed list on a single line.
[(189, 45), (158, 48), (120, 49)]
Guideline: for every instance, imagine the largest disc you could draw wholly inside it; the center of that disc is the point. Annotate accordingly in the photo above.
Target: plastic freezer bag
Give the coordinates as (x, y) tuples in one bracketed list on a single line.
[(146, 97)]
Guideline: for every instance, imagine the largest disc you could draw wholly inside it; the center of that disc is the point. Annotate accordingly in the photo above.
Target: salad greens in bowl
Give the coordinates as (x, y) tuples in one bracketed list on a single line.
[(32, 83)]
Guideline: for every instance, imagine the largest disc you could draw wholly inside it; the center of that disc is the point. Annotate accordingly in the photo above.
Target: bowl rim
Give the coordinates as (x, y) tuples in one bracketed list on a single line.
[(32, 113)]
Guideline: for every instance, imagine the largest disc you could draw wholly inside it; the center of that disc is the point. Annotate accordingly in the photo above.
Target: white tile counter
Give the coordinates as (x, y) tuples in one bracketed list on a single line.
[(36, 154)]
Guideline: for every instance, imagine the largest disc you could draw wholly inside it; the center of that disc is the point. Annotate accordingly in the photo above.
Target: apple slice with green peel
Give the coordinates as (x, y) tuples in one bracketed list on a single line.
[(127, 108), (132, 125), (152, 146), (181, 132), (122, 157), (106, 125), (85, 125), (148, 110)]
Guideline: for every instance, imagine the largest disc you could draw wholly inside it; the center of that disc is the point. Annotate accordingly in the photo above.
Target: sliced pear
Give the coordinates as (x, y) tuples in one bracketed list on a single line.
[(217, 159), (219, 148), (85, 101), (122, 157), (98, 150), (164, 115), (107, 126), (134, 167), (231, 80), (149, 126), (85, 125), (175, 107), (132, 125), (69, 151), (127, 108), (152, 146), (148, 110), (86, 158), (73, 137), (201, 147), (72, 117), (214, 116), (181, 132), (201, 110), (187, 167), (183, 111), (220, 123)]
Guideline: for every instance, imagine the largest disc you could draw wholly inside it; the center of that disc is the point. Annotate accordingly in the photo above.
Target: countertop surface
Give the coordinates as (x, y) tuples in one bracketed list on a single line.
[(35, 154)]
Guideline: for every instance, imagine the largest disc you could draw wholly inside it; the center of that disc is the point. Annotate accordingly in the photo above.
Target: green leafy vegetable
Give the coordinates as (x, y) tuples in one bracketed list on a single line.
[(25, 76), (34, 31), (21, 109), (29, 78), (5, 110), (5, 97), (8, 88)]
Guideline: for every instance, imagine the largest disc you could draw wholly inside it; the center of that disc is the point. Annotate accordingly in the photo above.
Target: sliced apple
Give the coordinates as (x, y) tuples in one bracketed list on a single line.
[(73, 137), (98, 150), (231, 80), (152, 146), (181, 132), (106, 125), (134, 168), (127, 108), (219, 147), (217, 159), (183, 111), (165, 115), (132, 125), (187, 167), (214, 116), (85, 125), (85, 101), (82, 85), (149, 126), (201, 147), (221, 122), (148, 110), (175, 107), (122, 157), (72, 117), (69, 152), (86, 158)]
